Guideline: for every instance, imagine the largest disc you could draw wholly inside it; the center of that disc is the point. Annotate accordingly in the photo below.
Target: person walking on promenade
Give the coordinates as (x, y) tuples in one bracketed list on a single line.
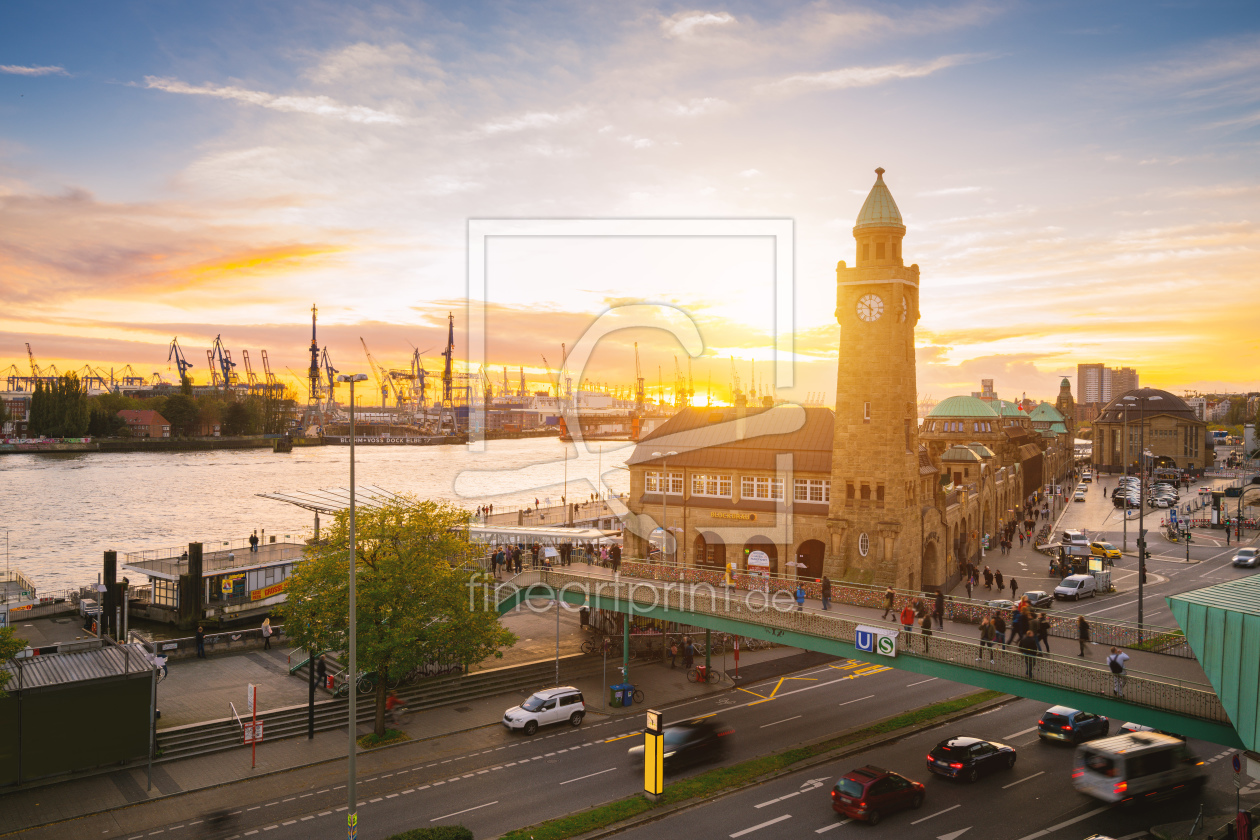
[(266, 633), (1082, 633), (253, 543), (689, 653), (1028, 644), (1043, 633), (1021, 538), (988, 578), (927, 630), (201, 642), (1014, 587), (516, 558), (938, 609), (907, 618), (889, 596), (1019, 626), (1116, 662), (969, 588), (986, 639), (800, 597), (999, 630), (826, 593), (321, 671), (997, 578)]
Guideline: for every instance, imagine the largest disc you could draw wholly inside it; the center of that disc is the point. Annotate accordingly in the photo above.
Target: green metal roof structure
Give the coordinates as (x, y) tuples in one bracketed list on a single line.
[(879, 210), (1046, 412), (1222, 626), (1006, 408), (981, 450), (963, 407), (960, 453)]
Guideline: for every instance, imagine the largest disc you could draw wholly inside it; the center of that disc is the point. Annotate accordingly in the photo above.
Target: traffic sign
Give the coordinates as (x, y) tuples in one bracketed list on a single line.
[(250, 693), (253, 732), (1237, 763)]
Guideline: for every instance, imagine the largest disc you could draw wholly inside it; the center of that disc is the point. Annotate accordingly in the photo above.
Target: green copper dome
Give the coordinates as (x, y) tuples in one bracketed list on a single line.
[(1046, 412), (879, 210), (963, 407), (960, 453), (1007, 408)]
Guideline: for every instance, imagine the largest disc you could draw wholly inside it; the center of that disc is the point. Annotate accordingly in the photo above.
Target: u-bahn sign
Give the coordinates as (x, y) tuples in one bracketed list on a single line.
[(879, 640)]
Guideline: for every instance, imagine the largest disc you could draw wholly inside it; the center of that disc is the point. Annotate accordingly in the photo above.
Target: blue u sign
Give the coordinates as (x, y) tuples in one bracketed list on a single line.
[(865, 641)]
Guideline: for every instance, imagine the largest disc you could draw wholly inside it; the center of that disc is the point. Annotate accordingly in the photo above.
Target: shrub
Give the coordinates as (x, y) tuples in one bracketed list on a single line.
[(436, 832)]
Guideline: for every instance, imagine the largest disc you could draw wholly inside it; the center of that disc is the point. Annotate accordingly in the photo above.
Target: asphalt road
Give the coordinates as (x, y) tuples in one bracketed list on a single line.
[(1034, 799), (511, 780)]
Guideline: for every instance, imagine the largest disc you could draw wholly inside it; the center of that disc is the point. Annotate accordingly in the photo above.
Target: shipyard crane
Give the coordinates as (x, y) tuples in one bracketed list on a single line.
[(506, 392), (274, 388), (30, 355), (220, 356), (547, 370), (564, 373), (331, 373), (382, 376), (250, 379), (214, 371), (14, 379), (640, 397), (181, 363), (312, 373)]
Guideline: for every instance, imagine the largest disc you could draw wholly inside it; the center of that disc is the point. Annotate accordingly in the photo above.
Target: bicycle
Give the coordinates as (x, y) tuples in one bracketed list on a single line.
[(399, 715), (703, 675)]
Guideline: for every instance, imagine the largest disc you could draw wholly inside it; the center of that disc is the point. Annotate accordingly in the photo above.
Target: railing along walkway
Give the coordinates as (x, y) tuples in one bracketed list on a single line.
[(1148, 683)]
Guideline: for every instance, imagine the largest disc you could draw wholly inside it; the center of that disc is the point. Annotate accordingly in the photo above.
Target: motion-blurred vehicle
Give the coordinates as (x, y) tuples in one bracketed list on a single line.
[(969, 758), (1039, 598), (1060, 723), (1246, 558), (1137, 767), (688, 743)]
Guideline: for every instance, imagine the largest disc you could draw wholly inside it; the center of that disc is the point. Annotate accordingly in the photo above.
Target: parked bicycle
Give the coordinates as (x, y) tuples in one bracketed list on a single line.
[(700, 674)]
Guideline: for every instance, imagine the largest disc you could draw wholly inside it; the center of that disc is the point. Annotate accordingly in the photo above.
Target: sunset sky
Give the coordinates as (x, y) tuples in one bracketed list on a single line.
[(1078, 179)]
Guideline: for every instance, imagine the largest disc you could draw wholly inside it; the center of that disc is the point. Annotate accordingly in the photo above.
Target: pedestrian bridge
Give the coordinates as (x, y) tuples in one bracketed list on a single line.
[(1187, 707)]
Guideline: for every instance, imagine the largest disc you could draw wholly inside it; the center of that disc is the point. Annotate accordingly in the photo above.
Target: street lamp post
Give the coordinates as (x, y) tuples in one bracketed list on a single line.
[(665, 498), (1141, 402), (352, 817)]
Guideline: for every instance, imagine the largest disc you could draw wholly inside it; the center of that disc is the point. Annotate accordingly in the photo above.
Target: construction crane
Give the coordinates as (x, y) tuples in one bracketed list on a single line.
[(446, 417), (547, 370), (506, 391), (331, 373), (180, 362), (640, 397), (220, 355), (382, 376), (274, 389), (250, 379)]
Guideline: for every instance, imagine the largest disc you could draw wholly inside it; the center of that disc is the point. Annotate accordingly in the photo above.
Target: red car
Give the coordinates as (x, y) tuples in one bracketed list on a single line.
[(870, 792)]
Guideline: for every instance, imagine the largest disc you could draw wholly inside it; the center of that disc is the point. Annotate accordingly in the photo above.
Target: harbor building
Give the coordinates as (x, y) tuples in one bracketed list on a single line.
[(1174, 434), (863, 493)]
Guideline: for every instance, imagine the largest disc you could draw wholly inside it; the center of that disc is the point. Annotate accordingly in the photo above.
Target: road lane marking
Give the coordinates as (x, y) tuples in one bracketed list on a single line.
[(833, 825), (762, 825), (780, 799), (620, 737), (937, 814), (466, 810), (1020, 732), (777, 722), (920, 682), (1066, 823), (847, 702), (590, 775), (1021, 781)]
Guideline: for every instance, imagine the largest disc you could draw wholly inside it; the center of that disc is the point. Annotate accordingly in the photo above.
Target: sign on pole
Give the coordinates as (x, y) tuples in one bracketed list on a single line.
[(253, 732), (879, 640)]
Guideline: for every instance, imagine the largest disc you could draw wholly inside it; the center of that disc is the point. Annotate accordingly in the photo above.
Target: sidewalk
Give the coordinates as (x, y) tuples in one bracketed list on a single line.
[(472, 724)]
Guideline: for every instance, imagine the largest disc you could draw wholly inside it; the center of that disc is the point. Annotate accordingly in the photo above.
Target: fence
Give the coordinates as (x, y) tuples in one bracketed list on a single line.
[(1143, 689)]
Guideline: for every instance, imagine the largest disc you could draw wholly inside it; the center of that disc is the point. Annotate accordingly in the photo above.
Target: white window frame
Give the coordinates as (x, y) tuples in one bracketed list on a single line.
[(711, 484), (812, 490), (864, 544), (768, 488), (652, 480)]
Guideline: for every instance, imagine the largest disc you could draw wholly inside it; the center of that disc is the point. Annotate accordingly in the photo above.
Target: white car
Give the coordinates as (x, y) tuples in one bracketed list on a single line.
[(1075, 587), (555, 705), (1078, 496)]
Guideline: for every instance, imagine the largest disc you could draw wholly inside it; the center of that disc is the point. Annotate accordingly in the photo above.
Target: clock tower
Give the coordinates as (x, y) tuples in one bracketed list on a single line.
[(875, 516)]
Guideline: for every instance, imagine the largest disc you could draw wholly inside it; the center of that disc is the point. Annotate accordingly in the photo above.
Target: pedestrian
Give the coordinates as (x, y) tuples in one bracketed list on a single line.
[(938, 609), (907, 618), (1019, 626), (968, 588), (253, 543), (986, 638), (1082, 632), (321, 671), (826, 592), (1021, 539), (926, 625), (1014, 587), (160, 662), (533, 551), (988, 578), (1116, 662), (890, 596), (266, 633), (201, 642), (1028, 644), (997, 578), (1043, 632), (689, 652), (516, 557), (673, 653), (999, 630), (800, 597)]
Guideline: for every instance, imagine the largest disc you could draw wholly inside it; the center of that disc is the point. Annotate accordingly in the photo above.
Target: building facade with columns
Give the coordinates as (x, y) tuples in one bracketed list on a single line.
[(1174, 434), (863, 493)]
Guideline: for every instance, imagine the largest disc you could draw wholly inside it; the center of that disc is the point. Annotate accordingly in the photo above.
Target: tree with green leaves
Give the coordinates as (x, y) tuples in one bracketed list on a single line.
[(182, 413), (414, 597), (59, 408), (9, 646)]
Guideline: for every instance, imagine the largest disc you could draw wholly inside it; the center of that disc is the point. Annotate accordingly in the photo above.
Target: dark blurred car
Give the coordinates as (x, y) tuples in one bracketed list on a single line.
[(1039, 598), (688, 743), (870, 792), (1072, 726), (969, 758)]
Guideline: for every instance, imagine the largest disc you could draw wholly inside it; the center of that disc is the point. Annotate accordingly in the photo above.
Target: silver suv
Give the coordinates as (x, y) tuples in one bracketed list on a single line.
[(554, 705)]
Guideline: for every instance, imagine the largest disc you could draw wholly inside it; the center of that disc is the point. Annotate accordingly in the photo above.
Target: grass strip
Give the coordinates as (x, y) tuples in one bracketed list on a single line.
[(723, 778), (391, 736)]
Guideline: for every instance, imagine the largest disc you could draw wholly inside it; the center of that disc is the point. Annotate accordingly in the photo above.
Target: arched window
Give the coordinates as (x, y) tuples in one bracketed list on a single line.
[(864, 545)]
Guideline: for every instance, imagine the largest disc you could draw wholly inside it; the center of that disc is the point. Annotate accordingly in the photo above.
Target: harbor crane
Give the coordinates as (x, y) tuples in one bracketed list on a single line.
[(250, 378), (382, 376), (640, 397), (214, 372), (522, 369), (30, 355), (312, 374), (274, 388), (177, 355), (219, 355), (331, 373), (547, 370)]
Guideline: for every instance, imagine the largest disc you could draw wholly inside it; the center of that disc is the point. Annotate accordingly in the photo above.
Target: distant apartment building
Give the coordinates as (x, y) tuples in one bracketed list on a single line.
[(17, 404), (1199, 405), (146, 423), (1097, 385)]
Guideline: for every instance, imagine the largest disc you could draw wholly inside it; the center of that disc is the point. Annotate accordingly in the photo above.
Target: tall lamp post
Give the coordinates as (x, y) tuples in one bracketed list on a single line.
[(665, 497), (1141, 541), (352, 817)]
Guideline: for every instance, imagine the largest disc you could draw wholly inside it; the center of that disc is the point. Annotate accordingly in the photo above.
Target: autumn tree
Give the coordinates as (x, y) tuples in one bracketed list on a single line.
[(9, 646), (413, 600)]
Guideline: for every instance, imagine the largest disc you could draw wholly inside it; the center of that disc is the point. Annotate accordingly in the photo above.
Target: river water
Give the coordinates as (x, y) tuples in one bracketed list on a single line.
[(62, 511)]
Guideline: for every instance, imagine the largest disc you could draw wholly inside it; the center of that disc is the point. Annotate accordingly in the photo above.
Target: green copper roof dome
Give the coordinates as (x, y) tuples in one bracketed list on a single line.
[(1046, 412), (960, 453), (963, 407), (879, 210), (1006, 408)]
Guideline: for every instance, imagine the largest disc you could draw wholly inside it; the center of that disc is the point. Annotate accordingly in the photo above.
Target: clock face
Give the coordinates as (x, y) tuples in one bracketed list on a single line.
[(870, 307)]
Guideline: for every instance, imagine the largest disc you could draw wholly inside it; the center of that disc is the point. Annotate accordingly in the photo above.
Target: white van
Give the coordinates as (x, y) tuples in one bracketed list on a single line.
[(1076, 587), (555, 705), (1143, 766), (1071, 537)]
